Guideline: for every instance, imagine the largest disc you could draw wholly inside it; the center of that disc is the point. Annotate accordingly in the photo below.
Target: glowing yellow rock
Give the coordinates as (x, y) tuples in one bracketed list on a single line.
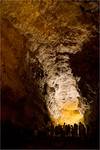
[(70, 114), (70, 117)]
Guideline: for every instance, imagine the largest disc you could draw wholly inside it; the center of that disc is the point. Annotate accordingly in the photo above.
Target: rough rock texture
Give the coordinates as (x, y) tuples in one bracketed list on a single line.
[(44, 55)]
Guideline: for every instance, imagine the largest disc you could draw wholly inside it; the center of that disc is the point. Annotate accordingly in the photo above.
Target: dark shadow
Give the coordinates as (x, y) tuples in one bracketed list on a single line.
[(85, 64)]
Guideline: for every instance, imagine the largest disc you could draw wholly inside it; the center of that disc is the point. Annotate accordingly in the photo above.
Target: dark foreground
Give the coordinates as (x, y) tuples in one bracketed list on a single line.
[(17, 137)]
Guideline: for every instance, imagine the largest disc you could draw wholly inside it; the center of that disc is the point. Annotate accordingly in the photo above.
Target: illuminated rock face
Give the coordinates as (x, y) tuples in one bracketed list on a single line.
[(64, 101), (53, 32), (63, 95), (63, 98)]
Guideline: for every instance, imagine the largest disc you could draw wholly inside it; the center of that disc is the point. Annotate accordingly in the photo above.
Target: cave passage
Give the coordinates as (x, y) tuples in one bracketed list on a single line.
[(49, 73)]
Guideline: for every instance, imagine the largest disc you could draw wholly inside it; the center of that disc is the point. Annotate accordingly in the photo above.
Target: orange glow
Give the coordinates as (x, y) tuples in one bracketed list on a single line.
[(70, 114), (70, 117)]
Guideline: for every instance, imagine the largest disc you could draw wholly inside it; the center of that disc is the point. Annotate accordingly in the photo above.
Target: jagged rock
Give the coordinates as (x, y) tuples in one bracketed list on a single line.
[(40, 40)]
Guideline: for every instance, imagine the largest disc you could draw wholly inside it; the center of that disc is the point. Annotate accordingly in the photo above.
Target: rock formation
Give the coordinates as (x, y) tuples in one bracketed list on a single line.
[(41, 40)]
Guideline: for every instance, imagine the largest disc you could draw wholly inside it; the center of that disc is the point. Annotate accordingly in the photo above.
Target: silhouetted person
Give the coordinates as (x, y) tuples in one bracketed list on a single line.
[(58, 130), (82, 130), (63, 129), (72, 130), (75, 130), (67, 130), (64, 125)]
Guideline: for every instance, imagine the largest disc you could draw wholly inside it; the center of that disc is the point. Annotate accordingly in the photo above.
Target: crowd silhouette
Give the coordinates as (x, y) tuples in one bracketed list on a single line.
[(65, 130), (49, 136)]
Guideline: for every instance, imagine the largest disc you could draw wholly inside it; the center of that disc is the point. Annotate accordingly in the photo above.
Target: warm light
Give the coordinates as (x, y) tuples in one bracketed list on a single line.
[(70, 117), (70, 114), (66, 103)]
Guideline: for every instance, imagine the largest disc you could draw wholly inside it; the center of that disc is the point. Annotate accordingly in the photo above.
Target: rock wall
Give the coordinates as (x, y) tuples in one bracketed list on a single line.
[(55, 33)]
